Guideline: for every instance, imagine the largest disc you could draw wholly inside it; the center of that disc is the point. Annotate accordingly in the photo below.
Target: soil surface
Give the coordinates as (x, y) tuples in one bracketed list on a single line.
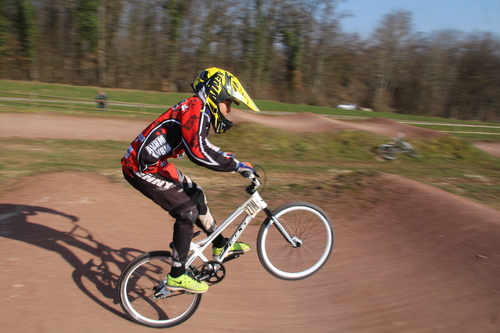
[(408, 257)]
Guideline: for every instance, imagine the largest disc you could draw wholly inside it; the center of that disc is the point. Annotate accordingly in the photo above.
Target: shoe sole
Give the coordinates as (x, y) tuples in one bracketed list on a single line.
[(186, 290), (231, 252)]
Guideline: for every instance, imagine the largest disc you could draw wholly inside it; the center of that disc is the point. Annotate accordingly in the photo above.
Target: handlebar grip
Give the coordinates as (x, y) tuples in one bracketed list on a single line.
[(249, 175), (246, 173)]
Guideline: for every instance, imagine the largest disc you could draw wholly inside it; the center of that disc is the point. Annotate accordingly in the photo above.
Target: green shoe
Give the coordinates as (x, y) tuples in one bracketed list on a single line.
[(186, 283), (237, 248)]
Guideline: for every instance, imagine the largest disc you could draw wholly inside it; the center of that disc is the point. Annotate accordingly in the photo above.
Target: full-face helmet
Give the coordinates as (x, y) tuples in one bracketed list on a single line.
[(215, 85)]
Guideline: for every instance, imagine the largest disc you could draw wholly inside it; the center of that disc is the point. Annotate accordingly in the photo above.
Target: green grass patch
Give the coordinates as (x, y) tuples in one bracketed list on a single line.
[(289, 160), (296, 159), (46, 90), (24, 157)]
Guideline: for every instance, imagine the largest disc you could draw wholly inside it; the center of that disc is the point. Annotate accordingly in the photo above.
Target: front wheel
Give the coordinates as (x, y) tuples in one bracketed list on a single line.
[(409, 150), (143, 297), (312, 231)]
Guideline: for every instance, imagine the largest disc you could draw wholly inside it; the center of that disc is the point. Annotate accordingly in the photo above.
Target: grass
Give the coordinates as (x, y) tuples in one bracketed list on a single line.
[(293, 161), (298, 160), (25, 157), (88, 93)]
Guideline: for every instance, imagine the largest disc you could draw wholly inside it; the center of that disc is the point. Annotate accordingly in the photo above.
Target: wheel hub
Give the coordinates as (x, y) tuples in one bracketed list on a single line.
[(297, 241)]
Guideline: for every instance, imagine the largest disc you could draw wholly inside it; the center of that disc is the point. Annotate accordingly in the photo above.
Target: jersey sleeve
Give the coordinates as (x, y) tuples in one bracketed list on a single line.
[(200, 151)]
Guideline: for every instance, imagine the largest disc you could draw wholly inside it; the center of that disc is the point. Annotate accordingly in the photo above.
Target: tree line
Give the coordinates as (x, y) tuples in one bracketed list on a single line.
[(284, 50)]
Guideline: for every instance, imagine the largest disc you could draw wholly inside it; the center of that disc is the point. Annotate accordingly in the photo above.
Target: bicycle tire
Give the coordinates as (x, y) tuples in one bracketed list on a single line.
[(135, 292), (389, 152), (305, 222)]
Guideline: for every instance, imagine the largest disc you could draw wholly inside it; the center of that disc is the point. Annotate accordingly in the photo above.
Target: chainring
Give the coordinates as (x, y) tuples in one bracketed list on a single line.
[(211, 272)]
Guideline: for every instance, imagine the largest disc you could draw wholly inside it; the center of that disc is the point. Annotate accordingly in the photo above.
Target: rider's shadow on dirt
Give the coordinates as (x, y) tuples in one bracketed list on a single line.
[(96, 280)]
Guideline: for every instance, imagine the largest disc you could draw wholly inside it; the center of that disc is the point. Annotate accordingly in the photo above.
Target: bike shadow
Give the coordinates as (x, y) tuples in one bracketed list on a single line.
[(98, 277)]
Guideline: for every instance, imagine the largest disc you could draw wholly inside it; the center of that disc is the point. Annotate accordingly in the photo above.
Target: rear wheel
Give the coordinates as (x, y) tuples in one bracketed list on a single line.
[(143, 297), (389, 152)]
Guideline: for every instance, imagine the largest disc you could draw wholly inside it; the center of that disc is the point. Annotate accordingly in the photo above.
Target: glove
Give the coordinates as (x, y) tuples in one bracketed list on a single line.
[(243, 167), (227, 154)]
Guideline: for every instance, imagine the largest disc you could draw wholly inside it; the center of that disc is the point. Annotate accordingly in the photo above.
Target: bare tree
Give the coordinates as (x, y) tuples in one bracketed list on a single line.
[(101, 43), (286, 50), (439, 74), (176, 12), (323, 35), (478, 82), (391, 39)]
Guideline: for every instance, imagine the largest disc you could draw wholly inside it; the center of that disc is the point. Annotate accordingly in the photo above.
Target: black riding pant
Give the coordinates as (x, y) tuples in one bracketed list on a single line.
[(184, 200)]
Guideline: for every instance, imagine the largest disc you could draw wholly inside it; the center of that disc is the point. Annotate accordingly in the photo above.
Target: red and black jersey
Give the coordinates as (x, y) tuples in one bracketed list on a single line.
[(182, 129)]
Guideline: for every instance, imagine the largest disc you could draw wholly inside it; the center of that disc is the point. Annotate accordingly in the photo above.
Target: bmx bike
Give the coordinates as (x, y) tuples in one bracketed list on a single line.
[(293, 242), (391, 150)]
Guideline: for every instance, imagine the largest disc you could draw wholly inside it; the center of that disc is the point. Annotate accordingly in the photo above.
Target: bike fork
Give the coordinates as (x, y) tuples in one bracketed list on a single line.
[(294, 241)]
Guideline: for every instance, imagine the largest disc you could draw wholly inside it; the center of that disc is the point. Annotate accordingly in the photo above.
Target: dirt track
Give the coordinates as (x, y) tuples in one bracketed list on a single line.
[(415, 260)]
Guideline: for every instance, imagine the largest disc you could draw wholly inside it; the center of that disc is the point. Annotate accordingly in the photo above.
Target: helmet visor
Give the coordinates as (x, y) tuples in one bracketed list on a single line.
[(238, 94)]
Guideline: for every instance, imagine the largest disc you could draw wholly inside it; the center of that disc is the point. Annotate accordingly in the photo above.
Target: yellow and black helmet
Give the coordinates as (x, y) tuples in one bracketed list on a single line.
[(215, 85)]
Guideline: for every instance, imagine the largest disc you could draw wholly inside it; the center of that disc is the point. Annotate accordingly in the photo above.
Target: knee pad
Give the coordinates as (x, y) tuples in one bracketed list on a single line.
[(186, 213), (192, 215), (198, 198)]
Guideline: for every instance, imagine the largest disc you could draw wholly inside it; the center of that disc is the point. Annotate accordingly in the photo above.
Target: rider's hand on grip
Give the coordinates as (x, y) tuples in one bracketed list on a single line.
[(245, 168)]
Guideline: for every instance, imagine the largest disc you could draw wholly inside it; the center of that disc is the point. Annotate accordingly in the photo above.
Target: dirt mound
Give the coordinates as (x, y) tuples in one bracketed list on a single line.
[(412, 259), (391, 127), (408, 257), (87, 128), (491, 147), (302, 122), (93, 128), (308, 122), (69, 127)]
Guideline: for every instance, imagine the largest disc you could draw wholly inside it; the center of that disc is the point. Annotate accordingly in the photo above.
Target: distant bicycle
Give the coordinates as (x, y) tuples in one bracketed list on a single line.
[(391, 150), (294, 242)]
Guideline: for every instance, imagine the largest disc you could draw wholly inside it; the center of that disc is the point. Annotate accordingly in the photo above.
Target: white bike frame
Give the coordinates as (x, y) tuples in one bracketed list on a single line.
[(251, 207)]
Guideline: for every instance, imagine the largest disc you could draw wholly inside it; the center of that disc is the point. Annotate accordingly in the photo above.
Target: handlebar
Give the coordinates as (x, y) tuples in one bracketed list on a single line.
[(255, 183)]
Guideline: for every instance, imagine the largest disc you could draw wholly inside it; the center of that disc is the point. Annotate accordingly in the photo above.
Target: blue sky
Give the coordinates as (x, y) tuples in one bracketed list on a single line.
[(428, 15)]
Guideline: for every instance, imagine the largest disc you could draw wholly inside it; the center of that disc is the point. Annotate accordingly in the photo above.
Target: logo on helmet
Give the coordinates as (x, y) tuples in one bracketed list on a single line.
[(215, 85)]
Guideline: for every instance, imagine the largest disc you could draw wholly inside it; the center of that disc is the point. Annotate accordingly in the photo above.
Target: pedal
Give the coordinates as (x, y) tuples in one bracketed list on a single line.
[(232, 256)]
